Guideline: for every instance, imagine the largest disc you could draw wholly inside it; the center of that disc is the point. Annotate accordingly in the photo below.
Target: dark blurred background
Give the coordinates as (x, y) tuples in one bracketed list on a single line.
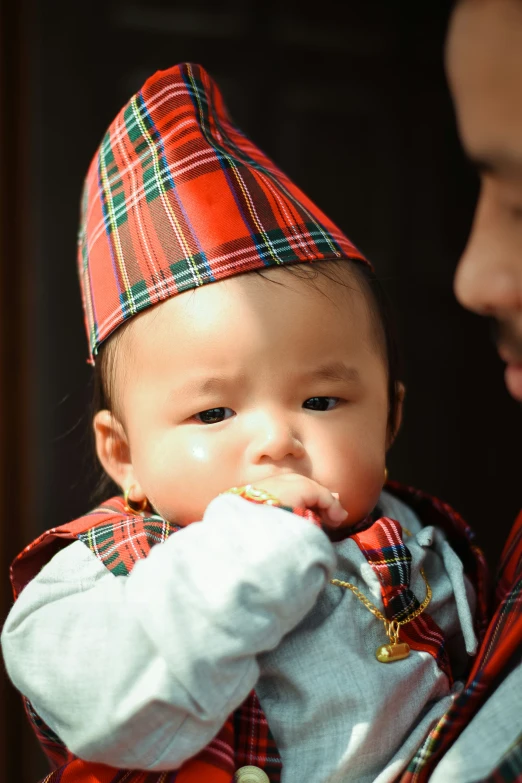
[(350, 99)]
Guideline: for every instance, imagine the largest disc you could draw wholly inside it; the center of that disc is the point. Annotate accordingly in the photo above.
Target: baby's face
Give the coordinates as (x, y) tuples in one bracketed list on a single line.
[(249, 378)]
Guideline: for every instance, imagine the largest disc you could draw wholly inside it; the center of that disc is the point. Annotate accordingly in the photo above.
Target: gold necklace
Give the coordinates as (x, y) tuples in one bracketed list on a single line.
[(386, 653), (395, 650)]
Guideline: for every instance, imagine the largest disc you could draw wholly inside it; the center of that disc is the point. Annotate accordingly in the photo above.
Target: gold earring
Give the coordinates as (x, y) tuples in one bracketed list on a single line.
[(385, 475), (133, 509)]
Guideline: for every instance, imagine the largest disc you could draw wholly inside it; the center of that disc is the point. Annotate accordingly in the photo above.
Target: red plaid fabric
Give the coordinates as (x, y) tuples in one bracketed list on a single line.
[(176, 197), (254, 743), (390, 558), (246, 738), (116, 538), (79, 771), (499, 654)]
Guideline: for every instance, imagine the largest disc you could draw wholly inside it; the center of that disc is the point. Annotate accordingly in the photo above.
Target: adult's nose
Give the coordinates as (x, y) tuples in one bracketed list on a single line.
[(488, 279)]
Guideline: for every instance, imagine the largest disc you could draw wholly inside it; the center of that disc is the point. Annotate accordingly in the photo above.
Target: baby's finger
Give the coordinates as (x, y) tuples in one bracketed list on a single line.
[(333, 512), (336, 515)]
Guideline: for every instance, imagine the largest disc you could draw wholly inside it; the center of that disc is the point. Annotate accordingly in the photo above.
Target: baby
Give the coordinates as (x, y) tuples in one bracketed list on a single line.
[(255, 607)]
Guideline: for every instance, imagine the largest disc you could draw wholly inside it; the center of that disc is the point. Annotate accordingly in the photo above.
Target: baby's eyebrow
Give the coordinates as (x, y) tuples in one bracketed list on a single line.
[(202, 386), (335, 371), (205, 385)]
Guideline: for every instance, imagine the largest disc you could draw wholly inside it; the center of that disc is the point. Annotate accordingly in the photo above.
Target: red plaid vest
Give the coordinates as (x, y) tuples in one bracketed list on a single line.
[(245, 739), (499, 654)]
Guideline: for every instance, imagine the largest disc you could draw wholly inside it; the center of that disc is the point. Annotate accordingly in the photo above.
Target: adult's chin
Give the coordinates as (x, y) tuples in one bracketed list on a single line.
[(513, 378)]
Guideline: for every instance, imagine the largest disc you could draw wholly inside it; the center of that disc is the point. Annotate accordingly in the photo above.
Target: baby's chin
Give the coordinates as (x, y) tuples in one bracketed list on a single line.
[(357, 515), (177, 517), (343, 531), (185, 521)]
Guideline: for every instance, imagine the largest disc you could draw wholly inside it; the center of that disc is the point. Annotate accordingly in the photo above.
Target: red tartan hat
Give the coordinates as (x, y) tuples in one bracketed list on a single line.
[(176, 197)]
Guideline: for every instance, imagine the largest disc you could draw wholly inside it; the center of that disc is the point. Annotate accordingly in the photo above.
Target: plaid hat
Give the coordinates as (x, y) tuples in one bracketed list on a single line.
[(176, 197)]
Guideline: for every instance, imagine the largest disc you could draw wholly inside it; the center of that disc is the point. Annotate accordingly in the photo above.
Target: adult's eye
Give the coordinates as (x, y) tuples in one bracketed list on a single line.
[(320, 403), (214, 415)]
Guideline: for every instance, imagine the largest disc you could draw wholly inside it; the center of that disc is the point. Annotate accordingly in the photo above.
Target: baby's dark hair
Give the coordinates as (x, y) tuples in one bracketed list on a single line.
[(382, 323)]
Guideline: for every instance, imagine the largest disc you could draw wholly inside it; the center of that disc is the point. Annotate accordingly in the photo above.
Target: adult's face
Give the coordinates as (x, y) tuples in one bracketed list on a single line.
[(484, 63)]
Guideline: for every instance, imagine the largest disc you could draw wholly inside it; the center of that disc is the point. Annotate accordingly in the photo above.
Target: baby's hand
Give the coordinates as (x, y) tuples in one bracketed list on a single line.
[(297, 491)]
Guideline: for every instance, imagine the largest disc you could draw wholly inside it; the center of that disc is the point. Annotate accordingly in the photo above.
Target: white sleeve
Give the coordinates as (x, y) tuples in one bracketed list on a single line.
[(142, 671)]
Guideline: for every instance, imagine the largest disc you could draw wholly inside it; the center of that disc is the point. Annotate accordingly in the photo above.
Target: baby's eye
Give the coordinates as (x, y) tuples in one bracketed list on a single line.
[(321, 403), (214, 415)]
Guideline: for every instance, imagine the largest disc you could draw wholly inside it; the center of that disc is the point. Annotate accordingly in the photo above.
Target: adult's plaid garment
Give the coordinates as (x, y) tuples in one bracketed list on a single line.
[(119, 540), (177, 197), (499, 654)]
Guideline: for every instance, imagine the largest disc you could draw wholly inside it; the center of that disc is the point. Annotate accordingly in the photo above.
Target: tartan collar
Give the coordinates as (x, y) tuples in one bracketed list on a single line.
[(382, 544)]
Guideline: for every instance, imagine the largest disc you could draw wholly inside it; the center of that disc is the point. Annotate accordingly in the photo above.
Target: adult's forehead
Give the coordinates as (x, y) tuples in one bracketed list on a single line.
[(484, 65)]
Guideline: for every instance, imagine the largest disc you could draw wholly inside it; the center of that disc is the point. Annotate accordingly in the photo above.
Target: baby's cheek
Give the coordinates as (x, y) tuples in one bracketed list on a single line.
[(181, 489), (361, 484), (178, 507)]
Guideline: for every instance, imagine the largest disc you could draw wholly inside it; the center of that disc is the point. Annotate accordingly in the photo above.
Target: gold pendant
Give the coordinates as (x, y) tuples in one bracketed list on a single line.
[(395, 650), (387, 653)]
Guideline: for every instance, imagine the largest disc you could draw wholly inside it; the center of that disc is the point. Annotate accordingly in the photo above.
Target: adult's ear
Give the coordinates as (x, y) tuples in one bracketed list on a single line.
[(395, 425), (112, 448)]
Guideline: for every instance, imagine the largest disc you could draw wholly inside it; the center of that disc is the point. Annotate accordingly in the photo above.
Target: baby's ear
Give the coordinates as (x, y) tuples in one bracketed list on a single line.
[(112, 448), (395, 425)]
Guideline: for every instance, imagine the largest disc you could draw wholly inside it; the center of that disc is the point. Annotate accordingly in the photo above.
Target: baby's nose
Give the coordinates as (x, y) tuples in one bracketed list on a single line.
[(275, 440)]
